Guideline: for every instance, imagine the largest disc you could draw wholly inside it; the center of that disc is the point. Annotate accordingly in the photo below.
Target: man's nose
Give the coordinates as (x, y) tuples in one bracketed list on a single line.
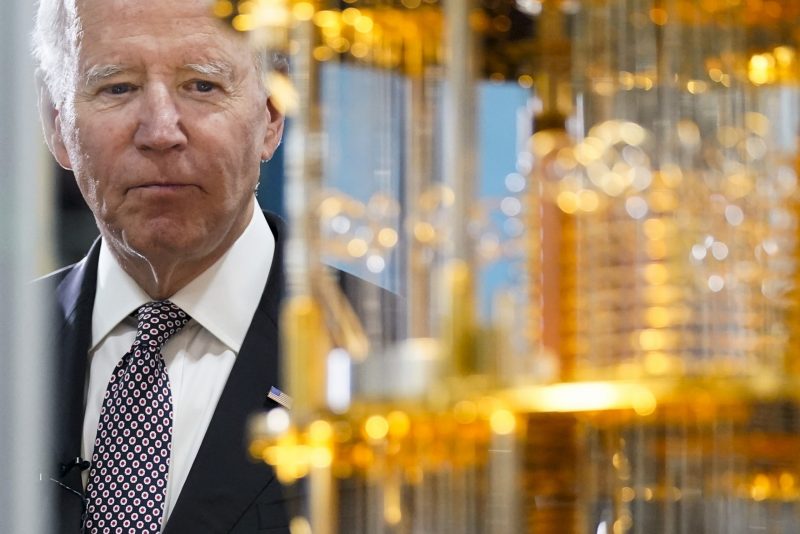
[(159, 126)]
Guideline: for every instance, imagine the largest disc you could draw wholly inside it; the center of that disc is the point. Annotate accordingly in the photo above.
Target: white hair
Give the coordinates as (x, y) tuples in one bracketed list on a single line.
[(55, 41)]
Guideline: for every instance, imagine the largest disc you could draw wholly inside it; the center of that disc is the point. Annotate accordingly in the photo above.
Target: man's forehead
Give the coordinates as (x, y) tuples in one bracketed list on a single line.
[(132, 36), (108, 19), (89, 9)]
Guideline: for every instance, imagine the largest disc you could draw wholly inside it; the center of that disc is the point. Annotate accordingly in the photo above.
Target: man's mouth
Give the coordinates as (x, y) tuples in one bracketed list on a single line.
[(161, 187)]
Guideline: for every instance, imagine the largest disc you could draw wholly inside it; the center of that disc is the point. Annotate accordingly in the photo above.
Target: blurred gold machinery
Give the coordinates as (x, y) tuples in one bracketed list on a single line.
[(640, 374)]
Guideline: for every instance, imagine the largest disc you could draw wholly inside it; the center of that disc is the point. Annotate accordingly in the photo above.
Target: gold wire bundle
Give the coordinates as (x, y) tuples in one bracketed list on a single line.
[(640, 372)]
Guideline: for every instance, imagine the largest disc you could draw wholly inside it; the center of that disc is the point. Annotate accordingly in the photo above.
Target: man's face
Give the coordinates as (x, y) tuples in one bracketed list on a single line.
[(165, 128)]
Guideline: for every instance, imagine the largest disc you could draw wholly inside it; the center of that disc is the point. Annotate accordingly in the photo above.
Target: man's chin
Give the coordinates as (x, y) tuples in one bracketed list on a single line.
[(170, 241), (162, 242)]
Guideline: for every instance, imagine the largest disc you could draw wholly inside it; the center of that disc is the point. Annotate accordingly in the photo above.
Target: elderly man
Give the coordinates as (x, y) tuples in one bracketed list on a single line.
[(168, 328)]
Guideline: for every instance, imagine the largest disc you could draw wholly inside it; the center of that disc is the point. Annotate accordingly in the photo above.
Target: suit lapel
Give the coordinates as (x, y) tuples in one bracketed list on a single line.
[(223, 482), (75, 300)]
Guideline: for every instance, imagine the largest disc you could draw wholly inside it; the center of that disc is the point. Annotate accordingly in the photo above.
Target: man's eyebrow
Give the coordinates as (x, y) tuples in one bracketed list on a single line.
[(218, 69), (98, 73)]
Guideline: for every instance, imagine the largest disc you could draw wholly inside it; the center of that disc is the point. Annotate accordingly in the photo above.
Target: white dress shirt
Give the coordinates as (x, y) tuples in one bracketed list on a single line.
[(221, 302)]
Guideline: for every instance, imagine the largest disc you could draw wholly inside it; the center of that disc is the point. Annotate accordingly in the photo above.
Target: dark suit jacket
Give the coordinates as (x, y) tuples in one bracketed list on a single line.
[(225, 492)]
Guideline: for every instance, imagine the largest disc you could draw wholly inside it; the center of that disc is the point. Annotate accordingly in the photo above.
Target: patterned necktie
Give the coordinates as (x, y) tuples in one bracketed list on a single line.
[(128, 478)]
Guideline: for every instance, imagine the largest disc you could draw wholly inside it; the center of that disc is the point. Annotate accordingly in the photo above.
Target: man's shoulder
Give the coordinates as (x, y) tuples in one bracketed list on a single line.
[(56, 277), (276, 224), (72, 284), (367, 298)]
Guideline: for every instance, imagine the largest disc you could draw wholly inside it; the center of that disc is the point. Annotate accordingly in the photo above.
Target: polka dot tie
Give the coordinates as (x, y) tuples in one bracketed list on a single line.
[(128, 478)]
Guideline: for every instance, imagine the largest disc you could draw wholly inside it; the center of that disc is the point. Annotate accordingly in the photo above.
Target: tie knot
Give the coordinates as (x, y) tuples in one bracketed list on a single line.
[(158, 321)]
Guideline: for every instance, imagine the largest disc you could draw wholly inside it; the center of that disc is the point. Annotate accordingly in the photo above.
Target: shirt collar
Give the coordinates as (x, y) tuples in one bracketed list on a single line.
[(223, 299)]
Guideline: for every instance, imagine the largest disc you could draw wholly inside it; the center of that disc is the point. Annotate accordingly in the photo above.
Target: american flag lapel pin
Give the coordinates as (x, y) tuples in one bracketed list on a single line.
[(280, 397)]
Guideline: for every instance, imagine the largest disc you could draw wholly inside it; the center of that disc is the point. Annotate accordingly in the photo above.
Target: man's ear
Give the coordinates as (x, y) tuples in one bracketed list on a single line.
[(51, 124), (274, 133)]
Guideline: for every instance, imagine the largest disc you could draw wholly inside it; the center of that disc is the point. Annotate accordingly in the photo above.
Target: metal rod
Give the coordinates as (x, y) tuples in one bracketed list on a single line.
[(26, 206)]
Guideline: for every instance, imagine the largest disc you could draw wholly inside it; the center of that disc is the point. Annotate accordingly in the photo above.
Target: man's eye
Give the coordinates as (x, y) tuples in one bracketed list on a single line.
[(119, 88), (203, 86)]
